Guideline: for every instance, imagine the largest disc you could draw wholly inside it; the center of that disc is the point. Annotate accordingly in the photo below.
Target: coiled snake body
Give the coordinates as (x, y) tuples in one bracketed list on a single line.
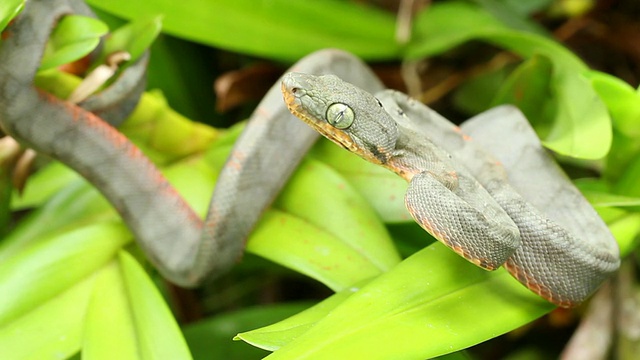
[(460, 193)]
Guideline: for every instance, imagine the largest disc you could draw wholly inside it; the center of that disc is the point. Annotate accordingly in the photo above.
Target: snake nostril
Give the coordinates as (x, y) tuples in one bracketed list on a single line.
[(294, 90)]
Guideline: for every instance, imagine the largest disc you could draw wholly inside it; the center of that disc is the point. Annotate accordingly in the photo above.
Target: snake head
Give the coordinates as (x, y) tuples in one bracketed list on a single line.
[(343, 113)]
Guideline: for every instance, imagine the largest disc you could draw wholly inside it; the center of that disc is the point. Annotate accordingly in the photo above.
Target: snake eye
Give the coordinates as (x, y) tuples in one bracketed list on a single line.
[(340, 115)]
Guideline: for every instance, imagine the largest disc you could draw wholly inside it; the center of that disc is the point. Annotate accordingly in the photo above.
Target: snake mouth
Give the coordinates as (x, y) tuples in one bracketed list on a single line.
[(295, 95)]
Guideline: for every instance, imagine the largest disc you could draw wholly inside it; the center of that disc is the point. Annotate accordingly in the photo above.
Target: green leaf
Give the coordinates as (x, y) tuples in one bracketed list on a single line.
[(109, 330), (209, 338), (622, 101), (600, 196), (628, 183), (135, 38), (158, 334), (74, 206), (514, 15), (275, 336), (43, 184), (277, 29), (8, 10), (45, 269), (331, 235), (623, 153), (626, 230), (528, 88), (156, 127), (51, 330), (74, 37), (383, 189), (319, 195), (581, 125), (446, 25), (477, 94), (310, 250), (433, 295)]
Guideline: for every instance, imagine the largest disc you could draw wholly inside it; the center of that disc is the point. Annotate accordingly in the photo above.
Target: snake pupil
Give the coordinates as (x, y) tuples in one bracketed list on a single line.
[(340, 116)]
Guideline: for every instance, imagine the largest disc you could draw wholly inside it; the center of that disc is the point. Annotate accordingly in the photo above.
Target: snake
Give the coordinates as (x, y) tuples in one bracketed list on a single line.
[(461, 193), (186, 249), (457, 192)]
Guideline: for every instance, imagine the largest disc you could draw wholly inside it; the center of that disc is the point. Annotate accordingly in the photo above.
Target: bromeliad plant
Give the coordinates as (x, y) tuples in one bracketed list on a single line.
[(69, 263)]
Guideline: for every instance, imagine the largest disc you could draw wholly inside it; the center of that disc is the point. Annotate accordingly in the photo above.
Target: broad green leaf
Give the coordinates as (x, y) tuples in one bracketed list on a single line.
[(611, 214), (309, 250), (433, 295), (45, 269), (302, 236), (210, 338), (8, 10), (158, 334), (42, 185), (528, 88), (626, 230), (109, 330), (383, 189), (278, 29), (410, 237), (59, 83), (156, 127), (135, 38), (477, 94), (74, 37), (277, 335), (622, 100), (446, 25), (581, 125), (40, 261), (330, 235), (319, 195), (599, 195), (74, 206), (52, 330), (628, 183), (619, 211), (624, 152), (514, 15)]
